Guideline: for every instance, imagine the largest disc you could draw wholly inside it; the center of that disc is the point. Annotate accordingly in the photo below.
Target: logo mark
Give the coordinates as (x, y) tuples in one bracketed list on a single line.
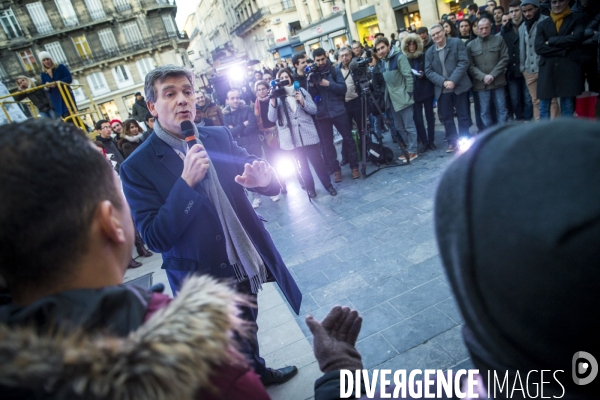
[(584, 364)]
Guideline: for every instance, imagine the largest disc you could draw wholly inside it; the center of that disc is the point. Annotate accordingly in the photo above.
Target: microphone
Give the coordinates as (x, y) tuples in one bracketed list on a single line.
[(307, 69), (297, 86), (353, 64), (187, 129), (273, 83)]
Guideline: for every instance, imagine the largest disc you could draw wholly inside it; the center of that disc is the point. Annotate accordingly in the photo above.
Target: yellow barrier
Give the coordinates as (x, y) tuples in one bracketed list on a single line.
[(74, 114)]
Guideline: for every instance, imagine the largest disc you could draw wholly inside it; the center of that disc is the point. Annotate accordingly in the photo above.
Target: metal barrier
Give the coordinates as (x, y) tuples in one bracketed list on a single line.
[(75, 116)]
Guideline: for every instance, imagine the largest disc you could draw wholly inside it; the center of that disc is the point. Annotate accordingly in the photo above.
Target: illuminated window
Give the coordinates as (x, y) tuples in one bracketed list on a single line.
[(82, 47), (29, 62)]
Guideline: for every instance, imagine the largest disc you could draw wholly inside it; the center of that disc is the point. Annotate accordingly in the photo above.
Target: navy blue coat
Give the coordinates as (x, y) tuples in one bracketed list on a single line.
[(62, 74), (181, 222)]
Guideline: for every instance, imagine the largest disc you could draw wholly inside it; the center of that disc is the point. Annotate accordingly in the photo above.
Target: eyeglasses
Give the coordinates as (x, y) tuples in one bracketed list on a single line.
[(105, 127)]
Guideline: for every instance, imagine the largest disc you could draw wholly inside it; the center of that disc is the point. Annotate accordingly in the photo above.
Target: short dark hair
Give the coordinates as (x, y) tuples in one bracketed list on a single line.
[(422, 30), (473, 7), (499, 8), (51, 181), (491, 1), (379, 34), (383, 40), (148, 116), (318, 52), (450, 15), (515, 3), (287, 71), (99, 124), (297, 57), (257, 72)]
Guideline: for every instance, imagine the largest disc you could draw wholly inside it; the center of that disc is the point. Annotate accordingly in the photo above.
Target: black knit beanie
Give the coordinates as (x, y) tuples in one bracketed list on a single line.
[(518, 226)]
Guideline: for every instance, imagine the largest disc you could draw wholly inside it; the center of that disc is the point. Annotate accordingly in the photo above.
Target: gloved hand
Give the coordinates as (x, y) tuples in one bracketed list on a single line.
[(334, 339)]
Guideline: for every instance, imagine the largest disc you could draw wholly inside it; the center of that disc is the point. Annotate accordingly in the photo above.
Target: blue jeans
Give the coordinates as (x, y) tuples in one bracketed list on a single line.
[(498, 96), (520, 99), (567, 107), (447, 103)]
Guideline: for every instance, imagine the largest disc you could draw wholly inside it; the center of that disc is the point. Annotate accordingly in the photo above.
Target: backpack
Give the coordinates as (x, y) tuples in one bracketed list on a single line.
[(379, 154)]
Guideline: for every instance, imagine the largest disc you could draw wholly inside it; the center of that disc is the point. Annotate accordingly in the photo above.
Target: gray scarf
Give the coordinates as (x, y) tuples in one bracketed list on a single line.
[(241, 253)]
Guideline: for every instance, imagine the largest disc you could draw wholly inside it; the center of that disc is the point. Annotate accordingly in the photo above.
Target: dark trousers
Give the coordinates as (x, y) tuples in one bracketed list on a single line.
[(248, 346), (354, 112), (311, 153), (520, 100), (448, 102), (325, 129), (428, 136)]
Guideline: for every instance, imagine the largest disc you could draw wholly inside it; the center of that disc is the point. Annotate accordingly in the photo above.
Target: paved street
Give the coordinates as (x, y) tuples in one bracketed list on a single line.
[(372, 248)]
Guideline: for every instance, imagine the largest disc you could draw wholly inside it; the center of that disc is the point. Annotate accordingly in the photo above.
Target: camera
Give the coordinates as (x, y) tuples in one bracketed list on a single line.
[(313, 73), (277, 88), (360, 68)]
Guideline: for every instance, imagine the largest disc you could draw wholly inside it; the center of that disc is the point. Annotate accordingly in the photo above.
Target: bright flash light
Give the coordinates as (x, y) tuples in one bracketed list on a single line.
[(464, 143), (236, 74), (285, 168)]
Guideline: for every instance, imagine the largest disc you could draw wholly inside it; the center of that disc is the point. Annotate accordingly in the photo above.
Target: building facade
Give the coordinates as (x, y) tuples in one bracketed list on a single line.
[(108, 45)]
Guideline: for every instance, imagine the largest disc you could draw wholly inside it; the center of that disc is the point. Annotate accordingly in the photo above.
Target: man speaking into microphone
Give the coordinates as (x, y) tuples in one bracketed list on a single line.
[(188, 202)]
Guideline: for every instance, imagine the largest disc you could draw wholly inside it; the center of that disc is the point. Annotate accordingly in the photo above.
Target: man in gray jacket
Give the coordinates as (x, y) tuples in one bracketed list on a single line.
[(489, 57), (529, 59), (446, 65)]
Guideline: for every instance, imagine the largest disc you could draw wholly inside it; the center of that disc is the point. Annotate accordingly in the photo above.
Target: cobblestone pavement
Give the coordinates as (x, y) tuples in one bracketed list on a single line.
[(373, 248)]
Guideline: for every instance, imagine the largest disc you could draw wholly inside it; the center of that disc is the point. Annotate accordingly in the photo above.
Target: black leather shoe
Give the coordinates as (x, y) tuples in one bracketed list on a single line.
[(312, 194), (279, 376), (332, 191)]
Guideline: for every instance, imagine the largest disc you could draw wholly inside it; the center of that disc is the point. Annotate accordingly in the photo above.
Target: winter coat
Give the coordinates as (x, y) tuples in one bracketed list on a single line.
[(62, 74), (457, 63), (181, 222), (560, 69), (332, 96), (398, 80), (590, 18), (423, 88), (112, 148), (39, 98), (530, 60), (212, 111), (127, 147), (488, 56), (303, 127), (246, 136), (123, 331), (511, 39), (139, 110)]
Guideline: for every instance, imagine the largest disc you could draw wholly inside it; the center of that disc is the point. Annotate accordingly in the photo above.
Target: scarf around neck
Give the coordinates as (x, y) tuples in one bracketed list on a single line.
[(241, 253), (291, 97), (559, 18), (530, 22), (133, 139)]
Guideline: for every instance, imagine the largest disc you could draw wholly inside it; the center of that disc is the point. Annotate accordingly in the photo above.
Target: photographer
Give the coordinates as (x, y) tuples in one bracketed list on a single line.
[(352, 99), (399, 93), (292, 109), (326, 85)]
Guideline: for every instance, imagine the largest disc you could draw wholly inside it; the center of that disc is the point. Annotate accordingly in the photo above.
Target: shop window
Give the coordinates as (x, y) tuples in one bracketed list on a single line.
[(82, 47), (367, 28), (10, 24), (39, 17), (31, 66)]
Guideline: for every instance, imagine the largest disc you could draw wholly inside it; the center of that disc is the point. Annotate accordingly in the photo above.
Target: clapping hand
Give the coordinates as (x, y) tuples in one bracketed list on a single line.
[(257, 174)]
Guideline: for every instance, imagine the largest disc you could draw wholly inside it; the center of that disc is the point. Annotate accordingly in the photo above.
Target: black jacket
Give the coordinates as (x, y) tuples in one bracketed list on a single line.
[(332, 103), (245, 136), (39, 98), (590, 18), (511, 38), (111, 148), (560, 60)]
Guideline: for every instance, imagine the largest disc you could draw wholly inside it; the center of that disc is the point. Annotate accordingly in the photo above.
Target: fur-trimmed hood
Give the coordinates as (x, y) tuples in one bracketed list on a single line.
[(170, 356), (412, 37)]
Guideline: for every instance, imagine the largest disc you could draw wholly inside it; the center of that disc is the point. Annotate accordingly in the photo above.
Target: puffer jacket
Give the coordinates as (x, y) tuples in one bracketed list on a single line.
[(489, 56), (123, 342), (245, 136), (398, 80), (423, 88), (212, 111)]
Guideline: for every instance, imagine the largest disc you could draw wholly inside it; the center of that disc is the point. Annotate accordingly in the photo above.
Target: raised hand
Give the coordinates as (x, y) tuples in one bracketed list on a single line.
[(256, 175)]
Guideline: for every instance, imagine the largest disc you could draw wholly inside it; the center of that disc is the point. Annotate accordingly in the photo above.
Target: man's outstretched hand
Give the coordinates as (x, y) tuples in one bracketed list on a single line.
[(256, 175), (334, 339)]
